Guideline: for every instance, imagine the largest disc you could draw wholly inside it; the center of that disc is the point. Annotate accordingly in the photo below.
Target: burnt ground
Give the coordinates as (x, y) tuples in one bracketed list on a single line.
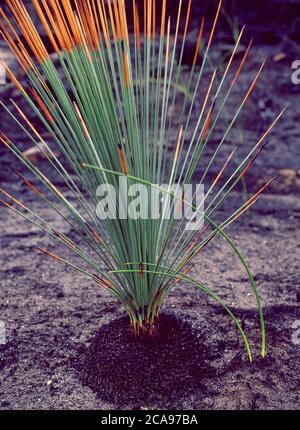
[(68, 345)]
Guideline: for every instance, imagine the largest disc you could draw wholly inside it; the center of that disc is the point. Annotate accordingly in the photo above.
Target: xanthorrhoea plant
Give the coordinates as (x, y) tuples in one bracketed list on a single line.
[(108, 101)]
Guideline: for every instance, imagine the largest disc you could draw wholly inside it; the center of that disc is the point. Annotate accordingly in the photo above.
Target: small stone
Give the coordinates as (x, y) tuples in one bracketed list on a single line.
[(288, 173), (279, 57), (40, 151)]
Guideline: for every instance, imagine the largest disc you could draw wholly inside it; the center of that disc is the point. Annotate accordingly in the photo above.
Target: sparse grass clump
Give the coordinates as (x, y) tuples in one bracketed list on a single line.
[(108, 99)]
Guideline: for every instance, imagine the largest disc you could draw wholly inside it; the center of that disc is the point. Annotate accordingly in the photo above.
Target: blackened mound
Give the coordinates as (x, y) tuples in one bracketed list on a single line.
[(121, 368)]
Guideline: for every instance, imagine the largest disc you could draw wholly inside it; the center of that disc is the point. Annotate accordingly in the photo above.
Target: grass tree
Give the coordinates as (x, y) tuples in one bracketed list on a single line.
[(108, 100)]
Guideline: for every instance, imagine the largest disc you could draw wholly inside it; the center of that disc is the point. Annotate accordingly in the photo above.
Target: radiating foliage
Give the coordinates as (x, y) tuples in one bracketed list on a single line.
[(108, 99)]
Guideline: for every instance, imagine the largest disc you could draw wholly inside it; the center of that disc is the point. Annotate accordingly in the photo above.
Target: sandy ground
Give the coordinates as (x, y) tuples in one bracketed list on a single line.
[(55, 319), (53, 314)]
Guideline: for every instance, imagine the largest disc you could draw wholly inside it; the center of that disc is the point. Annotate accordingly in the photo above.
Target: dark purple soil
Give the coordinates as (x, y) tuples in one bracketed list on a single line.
[(123, 369), (68, 342), (187, 362)]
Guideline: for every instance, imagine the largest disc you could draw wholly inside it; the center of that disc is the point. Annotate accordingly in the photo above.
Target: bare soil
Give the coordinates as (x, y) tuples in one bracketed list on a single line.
[(69, 346)]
